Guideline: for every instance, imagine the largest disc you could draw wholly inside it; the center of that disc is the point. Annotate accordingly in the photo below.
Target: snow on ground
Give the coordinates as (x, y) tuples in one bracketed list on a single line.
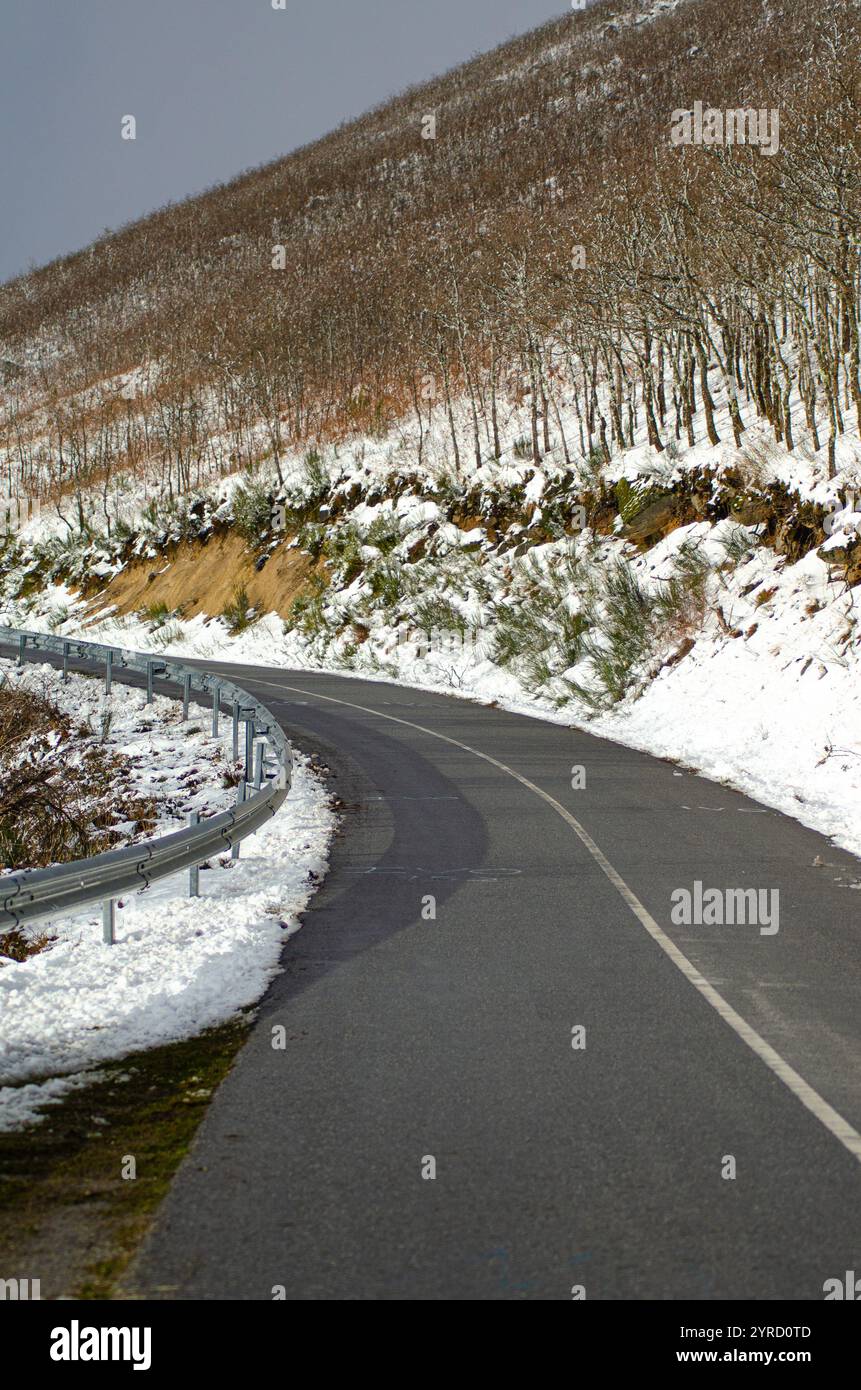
[(774, 711), (179, 964)]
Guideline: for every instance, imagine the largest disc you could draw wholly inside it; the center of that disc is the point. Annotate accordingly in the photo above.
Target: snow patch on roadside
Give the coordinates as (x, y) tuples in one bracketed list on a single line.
[(179, 965)]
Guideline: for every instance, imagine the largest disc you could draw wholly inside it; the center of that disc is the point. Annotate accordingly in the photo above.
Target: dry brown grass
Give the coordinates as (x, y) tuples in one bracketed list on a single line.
[(54, 808), (14, 945)]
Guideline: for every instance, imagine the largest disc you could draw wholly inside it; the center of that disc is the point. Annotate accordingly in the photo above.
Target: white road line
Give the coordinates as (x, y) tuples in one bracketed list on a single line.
[(826, 1114)]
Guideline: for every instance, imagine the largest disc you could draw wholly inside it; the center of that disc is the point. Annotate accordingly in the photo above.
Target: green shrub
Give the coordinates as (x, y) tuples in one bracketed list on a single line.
[(238, 613), (164, 516), (438, 614), (59, 616), (682, 600), (312, 539), (307, 613), (387, 584), (447, 488), (538, 633), (590, 470), (343, 548), (167, 635), (737, 545), (628, 624), (156, 614), (252, 511), (618, 613), (384, 532), (316, 477)]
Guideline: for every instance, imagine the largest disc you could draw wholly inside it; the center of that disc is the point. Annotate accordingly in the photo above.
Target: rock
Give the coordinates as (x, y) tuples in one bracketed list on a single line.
[(651, 519), (793, 538), (681, 651), (749, 511), (845, 558)]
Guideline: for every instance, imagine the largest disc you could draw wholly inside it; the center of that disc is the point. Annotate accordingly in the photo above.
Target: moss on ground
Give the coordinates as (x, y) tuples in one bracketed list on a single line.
[(67, 1215)]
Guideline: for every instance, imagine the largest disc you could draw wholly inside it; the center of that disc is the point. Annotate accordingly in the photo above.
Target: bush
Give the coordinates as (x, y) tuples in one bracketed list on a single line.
[(167, 635), (252, 511), (387, 584), (238, 613), (307, 611), (590, 470), (156, 614), (682, 601), (58, 616), (628, 625), (539, 633), (384, 533), (312, 539), (343, 547), (166, 516), (737, 546), (437, 614), (316, 477)]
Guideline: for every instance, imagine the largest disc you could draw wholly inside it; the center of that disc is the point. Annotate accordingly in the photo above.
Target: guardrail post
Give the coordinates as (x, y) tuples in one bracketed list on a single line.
[(22, 643), (186, 695), (258, 766), (235, 730), (194, 871), (109, 921), (65, 662), (240, 797), (149, 682), (109, 671), (216, 701), (249, 748)]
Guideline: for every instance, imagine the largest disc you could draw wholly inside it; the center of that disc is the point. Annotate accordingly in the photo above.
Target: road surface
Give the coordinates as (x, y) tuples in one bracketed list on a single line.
[(478, 910)]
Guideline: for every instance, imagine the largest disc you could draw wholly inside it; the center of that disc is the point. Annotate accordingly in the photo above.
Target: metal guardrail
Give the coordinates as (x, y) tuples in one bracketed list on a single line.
[(31, 895)]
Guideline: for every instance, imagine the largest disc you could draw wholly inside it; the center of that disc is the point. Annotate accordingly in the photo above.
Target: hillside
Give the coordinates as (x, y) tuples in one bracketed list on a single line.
[(549, 408), (405, 257)]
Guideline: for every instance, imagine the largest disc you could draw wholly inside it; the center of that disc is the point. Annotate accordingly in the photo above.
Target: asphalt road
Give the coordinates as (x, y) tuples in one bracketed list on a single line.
[(412, 1038)]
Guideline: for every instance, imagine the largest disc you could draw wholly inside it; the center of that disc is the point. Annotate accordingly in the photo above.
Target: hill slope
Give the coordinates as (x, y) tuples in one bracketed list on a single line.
[(546, 408)]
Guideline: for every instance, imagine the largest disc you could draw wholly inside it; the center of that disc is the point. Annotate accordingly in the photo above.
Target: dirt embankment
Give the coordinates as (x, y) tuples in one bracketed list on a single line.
[(196, 577)]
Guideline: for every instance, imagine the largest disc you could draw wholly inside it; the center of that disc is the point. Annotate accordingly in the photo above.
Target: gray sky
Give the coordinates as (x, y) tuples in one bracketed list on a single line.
[(216, 86)]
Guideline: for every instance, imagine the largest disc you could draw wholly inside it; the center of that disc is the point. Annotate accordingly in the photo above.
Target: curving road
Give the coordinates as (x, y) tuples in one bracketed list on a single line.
[(411, 1038)]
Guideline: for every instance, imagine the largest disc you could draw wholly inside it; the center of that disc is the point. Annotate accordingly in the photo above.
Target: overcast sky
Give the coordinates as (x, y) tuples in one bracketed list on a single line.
[(215, 86)]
